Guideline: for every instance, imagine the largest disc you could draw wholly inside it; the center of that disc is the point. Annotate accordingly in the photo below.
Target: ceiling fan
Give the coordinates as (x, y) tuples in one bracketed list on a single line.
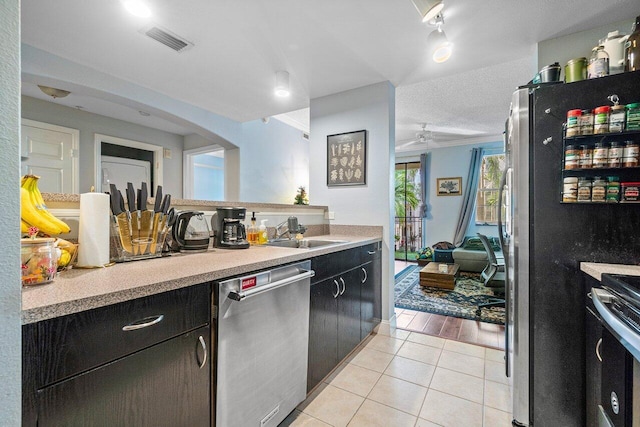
[(425, 136)]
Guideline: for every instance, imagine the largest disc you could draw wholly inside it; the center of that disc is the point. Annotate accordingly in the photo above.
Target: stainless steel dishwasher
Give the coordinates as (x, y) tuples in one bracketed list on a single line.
[(263, 336)]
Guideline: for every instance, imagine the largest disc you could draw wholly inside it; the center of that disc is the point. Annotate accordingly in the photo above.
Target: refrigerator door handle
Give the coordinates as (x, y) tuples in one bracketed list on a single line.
[(501, 235)]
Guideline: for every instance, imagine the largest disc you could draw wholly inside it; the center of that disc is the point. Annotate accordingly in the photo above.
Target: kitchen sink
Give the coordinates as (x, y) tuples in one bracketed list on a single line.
[(305, 243)]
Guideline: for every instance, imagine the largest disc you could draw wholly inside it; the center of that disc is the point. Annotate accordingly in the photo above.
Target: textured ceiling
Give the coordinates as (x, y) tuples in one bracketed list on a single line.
[(327, 47)]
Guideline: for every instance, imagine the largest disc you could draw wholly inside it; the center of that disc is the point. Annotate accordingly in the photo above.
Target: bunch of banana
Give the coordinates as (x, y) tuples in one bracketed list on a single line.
[(34, 212), (67, 252)]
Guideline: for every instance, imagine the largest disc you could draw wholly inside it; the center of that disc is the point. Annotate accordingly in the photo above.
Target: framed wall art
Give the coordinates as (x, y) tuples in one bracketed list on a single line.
[(450, 186), (347, 159)]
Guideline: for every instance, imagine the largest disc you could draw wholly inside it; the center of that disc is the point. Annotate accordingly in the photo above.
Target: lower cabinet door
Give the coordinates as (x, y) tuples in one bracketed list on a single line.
[(367, 299), (593, 351), (323, 331), (349, 311), (167, 384)]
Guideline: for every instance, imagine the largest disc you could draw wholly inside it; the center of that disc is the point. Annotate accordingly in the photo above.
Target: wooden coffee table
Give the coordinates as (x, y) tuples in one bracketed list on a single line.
[(431, 275)]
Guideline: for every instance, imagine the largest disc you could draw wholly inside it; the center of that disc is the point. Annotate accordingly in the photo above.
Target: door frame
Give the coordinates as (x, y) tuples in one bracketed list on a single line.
[(187, 169), (158, 154), (75, 147)]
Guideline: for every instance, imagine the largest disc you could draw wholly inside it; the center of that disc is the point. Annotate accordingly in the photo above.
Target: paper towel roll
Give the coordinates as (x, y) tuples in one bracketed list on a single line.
[(93, 232)]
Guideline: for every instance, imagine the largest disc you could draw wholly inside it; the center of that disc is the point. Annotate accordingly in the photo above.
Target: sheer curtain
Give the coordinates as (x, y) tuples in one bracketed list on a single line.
[(470, 191)]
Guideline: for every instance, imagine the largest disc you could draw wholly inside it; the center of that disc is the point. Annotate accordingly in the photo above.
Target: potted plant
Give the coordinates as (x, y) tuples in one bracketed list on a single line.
[(412, 241)]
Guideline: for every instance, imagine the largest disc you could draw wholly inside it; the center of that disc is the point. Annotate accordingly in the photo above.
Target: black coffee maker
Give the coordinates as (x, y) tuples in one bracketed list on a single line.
[(228, 229)]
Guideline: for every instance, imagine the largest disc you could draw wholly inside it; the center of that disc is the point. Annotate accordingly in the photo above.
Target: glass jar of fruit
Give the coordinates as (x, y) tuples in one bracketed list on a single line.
[(39, 259)]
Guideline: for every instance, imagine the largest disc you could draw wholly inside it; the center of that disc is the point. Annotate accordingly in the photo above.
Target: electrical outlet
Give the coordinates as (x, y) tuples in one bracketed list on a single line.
[(167, 153)]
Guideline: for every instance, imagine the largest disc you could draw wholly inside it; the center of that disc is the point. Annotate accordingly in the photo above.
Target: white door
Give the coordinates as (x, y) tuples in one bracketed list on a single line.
[(119, 171), (50, 152)]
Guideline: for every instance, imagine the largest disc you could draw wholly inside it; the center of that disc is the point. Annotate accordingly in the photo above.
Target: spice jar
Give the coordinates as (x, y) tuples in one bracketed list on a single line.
[(616, 152), (613, 189), (571, 159), (600, 155), (633, 116), (570, 190), (630, 192), (630, 155), (601, 119), (584, 190), (585, 121), (573, 127), (617, 118), (599, 190), (585, 157)]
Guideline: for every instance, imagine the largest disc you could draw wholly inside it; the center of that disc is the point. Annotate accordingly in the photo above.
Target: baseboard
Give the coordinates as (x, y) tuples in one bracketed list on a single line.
[(386, 327)]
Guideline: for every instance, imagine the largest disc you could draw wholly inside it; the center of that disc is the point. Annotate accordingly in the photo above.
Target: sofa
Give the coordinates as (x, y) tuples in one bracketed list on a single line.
[(471, 256)]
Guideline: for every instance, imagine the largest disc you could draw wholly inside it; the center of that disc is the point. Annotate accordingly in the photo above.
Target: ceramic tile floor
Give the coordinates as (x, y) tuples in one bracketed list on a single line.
[(411, 379)]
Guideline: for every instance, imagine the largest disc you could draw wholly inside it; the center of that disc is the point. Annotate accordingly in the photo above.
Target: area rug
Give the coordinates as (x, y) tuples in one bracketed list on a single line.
[(460, 302)]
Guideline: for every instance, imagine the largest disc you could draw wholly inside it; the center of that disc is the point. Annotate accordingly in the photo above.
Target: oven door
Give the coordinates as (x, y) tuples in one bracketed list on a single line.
[(620, 368)]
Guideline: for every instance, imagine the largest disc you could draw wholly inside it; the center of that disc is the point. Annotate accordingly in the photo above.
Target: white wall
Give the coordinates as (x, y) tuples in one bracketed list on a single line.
[(10, 288), (89, 124), (371, 108), (274, 162)]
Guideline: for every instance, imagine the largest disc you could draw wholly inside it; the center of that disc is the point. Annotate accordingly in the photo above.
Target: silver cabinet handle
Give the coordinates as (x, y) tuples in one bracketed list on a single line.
[(598, 349), (337, 289), (143, 323), (344, 287), (371, 252), (204, 349), (365, 275)]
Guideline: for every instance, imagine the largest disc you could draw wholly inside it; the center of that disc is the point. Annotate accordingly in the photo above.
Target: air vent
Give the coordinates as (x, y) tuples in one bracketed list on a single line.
[(167, 38)]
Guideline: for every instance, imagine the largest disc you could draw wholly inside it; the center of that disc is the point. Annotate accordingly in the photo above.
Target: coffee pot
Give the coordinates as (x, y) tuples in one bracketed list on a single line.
[(228, 230), (190, 232)]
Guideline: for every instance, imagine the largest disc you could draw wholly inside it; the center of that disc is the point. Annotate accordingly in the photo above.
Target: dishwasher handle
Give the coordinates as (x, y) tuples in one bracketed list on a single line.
[(239, 296)]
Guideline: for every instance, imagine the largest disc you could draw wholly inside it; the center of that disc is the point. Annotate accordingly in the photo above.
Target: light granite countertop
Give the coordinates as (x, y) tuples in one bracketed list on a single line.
[(83, 289), (595, 269)]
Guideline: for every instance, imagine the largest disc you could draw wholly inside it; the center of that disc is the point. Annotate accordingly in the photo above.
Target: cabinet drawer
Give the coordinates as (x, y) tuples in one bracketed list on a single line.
[(329, 265), (77, 342)]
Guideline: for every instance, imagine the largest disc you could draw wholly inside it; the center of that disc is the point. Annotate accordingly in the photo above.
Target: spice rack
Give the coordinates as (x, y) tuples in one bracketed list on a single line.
[(625, 174)]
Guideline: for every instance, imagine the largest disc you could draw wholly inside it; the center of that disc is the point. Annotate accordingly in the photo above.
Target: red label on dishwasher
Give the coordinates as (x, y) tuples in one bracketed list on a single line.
[(249, 282)]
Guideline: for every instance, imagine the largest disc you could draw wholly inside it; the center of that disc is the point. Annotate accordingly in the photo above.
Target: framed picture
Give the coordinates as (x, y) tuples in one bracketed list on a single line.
[(347, 159), (450, 186)]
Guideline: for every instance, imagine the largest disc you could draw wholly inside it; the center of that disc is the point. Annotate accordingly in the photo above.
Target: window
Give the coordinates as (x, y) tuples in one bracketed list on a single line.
[(488, 187)]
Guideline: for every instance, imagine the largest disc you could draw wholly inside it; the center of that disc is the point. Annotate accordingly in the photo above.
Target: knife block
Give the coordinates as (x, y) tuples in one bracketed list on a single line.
[(139, 238)]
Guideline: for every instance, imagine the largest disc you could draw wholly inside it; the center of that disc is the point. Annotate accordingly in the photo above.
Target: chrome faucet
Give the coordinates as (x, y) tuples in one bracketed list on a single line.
[(292, 227)]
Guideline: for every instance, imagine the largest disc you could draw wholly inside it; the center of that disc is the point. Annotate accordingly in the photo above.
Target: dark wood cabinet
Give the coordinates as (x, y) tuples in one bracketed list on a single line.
[(371, 292), (323, 331), (141, 362), (593, 365), (348, 312), (343, 311), (164, 385)]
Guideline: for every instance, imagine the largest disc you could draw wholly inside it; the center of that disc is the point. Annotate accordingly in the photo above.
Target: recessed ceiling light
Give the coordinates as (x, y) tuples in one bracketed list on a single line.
[(137, 8)]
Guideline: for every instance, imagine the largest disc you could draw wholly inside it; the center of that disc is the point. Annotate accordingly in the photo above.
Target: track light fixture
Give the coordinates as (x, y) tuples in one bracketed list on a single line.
[(428, 9), (441, 47)]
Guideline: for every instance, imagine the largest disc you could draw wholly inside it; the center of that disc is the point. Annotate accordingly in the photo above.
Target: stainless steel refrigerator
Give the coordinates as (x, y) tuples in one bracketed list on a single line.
[(544, 241)]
